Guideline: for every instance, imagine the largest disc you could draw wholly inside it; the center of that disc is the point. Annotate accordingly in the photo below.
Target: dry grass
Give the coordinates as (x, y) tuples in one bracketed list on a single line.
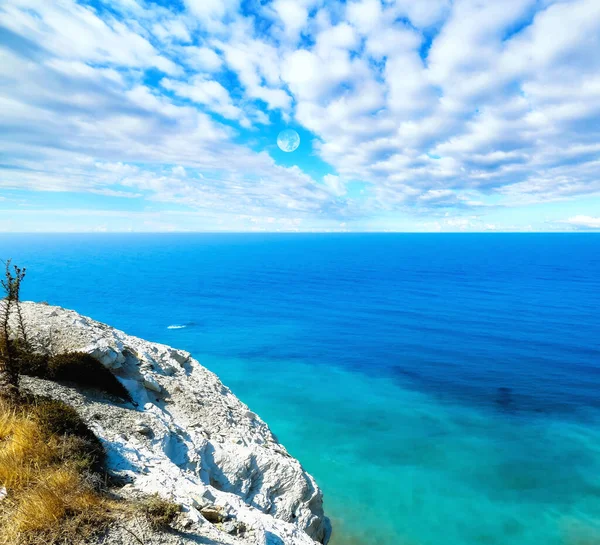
[(48, 478), (159, 512)]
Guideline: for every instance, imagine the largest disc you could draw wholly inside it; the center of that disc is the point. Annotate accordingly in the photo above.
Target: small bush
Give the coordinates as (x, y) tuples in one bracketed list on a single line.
[(58, 419), (34, 365), (77, 367), (160, 512)]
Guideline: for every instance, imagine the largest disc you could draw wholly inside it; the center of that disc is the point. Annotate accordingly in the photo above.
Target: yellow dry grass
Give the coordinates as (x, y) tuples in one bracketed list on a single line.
[(48, 496)]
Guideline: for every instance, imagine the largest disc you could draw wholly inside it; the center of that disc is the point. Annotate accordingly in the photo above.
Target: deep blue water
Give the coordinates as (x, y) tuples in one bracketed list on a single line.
[(441, 388)]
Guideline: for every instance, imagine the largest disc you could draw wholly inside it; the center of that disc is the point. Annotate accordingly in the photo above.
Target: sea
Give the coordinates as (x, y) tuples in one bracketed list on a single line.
[(443, 389)]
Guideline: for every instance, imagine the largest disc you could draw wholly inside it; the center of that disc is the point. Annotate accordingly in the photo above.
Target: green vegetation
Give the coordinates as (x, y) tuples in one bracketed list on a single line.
[(160, 512), (75, 367), (12, 346), (17, 357)]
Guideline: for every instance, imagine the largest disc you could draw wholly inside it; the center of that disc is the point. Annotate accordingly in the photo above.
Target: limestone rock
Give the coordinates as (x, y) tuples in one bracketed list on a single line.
[(150, 383)]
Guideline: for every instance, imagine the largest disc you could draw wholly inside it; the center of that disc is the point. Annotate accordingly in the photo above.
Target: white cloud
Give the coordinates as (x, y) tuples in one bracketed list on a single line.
[(334, 184), (172, 30), (79, 126), (422, 14), (365, 15), (315, 76), (208, 92), (258, 67), (201, 58), (432, 105), (293, 16), (75, 32), (583, 222), (212, 13)]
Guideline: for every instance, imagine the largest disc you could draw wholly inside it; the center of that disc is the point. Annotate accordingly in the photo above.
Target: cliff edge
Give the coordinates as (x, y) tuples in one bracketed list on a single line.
[(185, 437)]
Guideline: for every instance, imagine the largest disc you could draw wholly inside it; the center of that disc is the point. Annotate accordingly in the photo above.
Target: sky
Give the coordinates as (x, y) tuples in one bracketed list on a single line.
[(428, 115)]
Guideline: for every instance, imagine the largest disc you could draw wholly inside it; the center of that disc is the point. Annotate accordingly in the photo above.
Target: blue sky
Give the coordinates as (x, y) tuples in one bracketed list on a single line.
[(436, 115)]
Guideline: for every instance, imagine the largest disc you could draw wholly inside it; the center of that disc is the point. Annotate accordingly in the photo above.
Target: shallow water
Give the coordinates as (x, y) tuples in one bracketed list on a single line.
[(400, 466), (441, 388)]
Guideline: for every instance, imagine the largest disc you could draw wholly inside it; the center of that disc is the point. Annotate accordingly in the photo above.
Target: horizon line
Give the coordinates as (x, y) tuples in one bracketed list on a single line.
[(497, 232)]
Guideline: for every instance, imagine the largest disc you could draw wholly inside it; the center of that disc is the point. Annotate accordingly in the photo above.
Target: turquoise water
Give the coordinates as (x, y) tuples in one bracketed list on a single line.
[(401, 466), (441, 388)]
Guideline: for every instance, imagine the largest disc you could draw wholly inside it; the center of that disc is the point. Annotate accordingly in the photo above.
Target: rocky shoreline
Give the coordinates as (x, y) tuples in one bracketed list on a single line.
[(185, 437)]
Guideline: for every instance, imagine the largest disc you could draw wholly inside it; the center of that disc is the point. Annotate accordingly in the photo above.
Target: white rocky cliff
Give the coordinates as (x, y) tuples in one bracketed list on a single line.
[(186, 437)]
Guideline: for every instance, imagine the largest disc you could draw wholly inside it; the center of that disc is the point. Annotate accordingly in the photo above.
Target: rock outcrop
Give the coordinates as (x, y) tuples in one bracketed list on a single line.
[(185, 437)]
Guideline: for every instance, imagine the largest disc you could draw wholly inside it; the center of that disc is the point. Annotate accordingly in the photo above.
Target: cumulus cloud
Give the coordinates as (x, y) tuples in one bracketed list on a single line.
[(74, 32), (334, 184), (213, 14), (200, 58), (583, 222), (431, 106), (208, 92), (292, 16)]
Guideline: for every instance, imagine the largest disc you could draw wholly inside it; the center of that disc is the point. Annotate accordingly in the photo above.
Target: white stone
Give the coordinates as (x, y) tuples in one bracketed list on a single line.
[(180, 356), (150, 383), (109, 356), (143, 428)]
